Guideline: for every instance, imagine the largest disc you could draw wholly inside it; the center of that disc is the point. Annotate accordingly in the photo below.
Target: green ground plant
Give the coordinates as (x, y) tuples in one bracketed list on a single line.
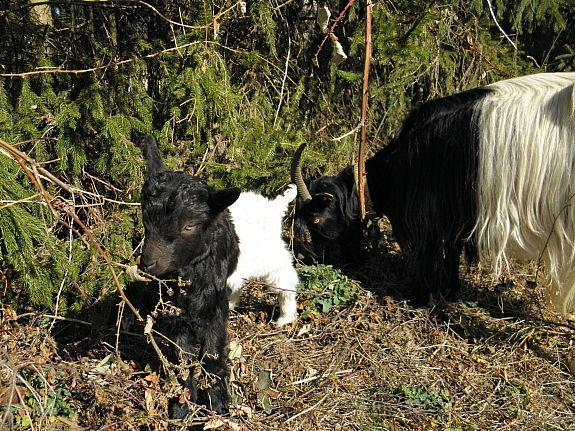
[(323, 287)]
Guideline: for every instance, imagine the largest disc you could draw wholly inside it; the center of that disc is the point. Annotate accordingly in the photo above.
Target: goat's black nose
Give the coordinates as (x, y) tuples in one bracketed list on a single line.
[(147, 266)]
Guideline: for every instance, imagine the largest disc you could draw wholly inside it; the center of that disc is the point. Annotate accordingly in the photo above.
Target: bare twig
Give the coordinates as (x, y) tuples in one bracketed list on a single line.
[(323, 376), (13, 153), (309, 409), (331, 29), (285, 75), (27, 200), (104, 199), (57, 306), (131, 60), (364, 104), (148, 333), (345, 135), (492, 11)]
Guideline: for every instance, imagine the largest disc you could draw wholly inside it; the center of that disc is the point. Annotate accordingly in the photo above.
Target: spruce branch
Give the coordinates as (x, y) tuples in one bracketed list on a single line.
[(122, 4), (46, 71), (480, 53), (32, 169)]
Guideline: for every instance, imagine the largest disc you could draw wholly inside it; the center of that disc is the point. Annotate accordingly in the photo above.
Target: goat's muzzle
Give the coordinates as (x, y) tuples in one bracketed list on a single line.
[(156, 259), (148, 266)]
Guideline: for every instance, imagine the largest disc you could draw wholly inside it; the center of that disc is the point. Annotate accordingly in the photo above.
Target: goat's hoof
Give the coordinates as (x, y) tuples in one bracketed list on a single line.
[(177, 410), (282, 321)]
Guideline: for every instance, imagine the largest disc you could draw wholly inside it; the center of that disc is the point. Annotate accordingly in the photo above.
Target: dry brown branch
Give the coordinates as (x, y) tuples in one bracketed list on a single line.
[(364, 106), (152, 55)]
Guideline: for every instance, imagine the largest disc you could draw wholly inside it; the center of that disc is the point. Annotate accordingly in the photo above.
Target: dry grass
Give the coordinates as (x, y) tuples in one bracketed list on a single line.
[(494, 361)]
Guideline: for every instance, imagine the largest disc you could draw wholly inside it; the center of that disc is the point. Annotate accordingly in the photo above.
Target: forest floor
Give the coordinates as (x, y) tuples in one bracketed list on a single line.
[(495, 360)]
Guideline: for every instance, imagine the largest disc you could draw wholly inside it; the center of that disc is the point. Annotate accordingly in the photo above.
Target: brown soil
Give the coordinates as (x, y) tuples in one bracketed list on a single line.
[(496, 360)]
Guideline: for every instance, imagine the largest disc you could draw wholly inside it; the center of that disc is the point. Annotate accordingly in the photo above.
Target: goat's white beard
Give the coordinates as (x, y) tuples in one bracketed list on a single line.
[(263, 253), (526, 183)]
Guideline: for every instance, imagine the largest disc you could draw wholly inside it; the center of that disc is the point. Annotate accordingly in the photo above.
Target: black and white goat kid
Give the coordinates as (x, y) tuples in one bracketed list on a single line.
[(211, 240)]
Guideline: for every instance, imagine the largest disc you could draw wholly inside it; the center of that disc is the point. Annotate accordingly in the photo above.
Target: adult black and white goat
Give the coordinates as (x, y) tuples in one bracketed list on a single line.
[(490, 170), (211, 240)]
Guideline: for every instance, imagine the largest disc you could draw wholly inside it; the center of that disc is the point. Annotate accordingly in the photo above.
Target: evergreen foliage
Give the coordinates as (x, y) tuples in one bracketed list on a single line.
[(229, 95)]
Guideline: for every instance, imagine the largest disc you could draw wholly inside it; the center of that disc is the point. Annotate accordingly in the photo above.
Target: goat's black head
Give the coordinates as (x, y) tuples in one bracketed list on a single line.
[(330, 204), (177, 209), (329, 209), (333, 206)]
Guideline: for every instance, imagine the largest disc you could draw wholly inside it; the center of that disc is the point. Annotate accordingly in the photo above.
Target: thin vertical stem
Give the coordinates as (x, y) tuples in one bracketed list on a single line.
[(364, 105)]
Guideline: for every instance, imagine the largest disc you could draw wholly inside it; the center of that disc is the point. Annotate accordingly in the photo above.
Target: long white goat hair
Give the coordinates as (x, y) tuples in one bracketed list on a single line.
[(526, 183)]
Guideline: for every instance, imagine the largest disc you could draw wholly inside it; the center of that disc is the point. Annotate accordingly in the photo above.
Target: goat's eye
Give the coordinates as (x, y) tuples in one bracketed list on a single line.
[(190, 227), (317, 220)]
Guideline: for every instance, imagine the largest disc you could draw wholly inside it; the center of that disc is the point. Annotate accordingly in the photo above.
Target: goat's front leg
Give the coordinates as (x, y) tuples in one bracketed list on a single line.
[(212, 388), (283, 281), (178, 409)]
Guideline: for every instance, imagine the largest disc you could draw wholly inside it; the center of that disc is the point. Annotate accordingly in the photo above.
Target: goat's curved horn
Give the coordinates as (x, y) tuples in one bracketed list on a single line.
[(297, 177), (152, 155)]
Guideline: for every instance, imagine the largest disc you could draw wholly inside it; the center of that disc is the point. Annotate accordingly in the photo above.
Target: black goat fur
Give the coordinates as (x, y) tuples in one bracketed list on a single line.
[(424, 181), (189, 236), (332, 219)]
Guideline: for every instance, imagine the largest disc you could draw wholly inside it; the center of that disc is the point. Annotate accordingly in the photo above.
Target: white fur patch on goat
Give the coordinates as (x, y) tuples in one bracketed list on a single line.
[(263, 253)]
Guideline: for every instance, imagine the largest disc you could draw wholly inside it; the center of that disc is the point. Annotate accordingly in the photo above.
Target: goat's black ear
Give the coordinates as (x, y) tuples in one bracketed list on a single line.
[(347, 172), (152, 155), (219, 200), (346, 179)]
